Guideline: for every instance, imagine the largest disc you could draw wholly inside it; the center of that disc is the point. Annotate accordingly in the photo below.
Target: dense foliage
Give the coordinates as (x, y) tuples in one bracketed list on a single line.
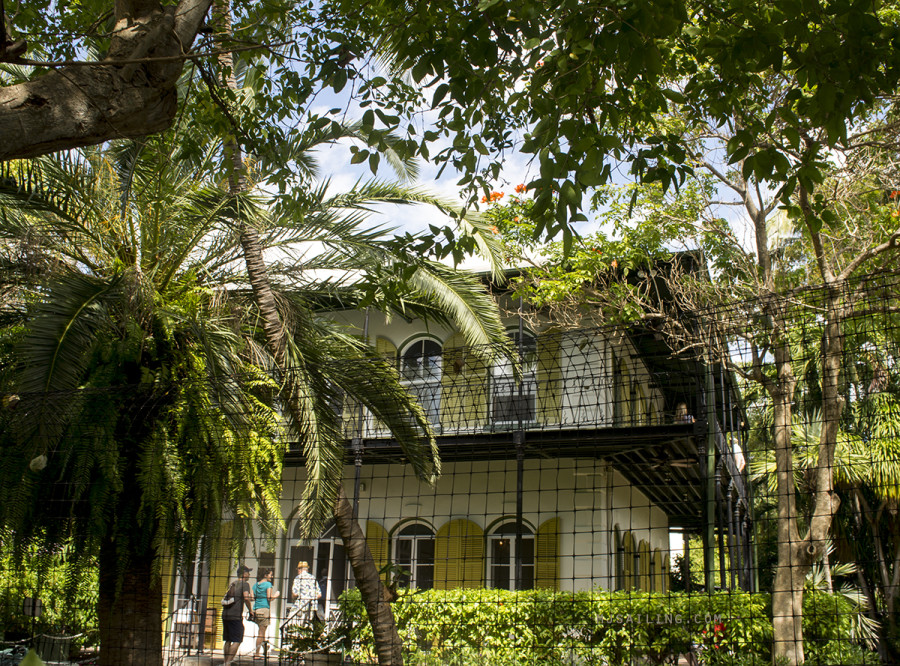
[(481, 626), (68, 595)]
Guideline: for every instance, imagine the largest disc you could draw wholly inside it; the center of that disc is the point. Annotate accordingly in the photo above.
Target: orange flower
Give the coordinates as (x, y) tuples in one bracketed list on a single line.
[(496, 196), (520, 188), (484, 199), (614, 264), (494, 229), (894, 194)]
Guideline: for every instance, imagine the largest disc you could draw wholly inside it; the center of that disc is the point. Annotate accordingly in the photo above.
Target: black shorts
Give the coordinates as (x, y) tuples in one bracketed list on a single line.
[(233, 631)]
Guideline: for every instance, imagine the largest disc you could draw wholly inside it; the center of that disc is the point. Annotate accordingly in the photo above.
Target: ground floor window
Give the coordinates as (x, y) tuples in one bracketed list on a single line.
[(414, 553), (503, 551)]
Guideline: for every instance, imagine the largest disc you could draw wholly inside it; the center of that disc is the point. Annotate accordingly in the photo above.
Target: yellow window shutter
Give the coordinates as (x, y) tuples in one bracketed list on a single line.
[(546, 555), (549, 377), (628, 573), (378, 540), (644, 562), (459, 555), (220, 577), (386, 349), (463, 387)]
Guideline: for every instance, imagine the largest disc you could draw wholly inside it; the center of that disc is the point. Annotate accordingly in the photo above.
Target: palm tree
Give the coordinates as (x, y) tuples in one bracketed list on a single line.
[(306, 402), (136, 254), (389, 277), (138, 419)]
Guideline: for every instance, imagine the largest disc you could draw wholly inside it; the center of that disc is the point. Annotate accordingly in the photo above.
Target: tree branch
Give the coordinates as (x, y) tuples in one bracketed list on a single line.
[(84, 105), (891, 243)]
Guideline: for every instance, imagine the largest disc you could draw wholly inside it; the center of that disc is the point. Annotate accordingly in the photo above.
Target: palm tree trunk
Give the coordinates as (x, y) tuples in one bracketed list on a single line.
[(130, 616), (378, 607), (387, 640)]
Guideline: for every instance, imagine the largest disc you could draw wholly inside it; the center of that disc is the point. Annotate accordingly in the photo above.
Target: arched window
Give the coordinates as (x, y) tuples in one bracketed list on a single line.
[(414, 552), (420, 367), (503, 552), (512, 402)]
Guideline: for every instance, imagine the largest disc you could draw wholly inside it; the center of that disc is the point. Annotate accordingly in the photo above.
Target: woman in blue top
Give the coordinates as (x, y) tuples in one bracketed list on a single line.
[(264, 592)]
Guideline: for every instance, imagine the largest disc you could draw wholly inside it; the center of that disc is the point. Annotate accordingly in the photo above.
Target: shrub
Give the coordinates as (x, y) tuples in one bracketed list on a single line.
[(485, 626)]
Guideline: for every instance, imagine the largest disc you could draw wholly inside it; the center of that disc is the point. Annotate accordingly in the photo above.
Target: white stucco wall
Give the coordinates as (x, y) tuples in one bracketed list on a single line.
[(586, 495)]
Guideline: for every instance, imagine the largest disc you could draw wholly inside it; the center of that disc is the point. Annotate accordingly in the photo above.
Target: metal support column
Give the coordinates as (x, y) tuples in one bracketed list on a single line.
[(721, 521), (687, 562), (732, 537), (519, 438), (709, 457), (356, 442)]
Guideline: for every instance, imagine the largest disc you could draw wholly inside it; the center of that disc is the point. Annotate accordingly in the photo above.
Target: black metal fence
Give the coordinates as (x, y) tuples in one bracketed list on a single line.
[(614, 494)]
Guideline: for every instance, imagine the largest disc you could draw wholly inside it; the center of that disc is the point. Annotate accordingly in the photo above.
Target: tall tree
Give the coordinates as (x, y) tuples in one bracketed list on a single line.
[(819, 241), (307, 403), (135, 419)]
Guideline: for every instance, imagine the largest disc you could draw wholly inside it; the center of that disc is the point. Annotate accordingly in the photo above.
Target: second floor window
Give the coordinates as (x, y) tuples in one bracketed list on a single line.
[(420, 367), (511, 401)]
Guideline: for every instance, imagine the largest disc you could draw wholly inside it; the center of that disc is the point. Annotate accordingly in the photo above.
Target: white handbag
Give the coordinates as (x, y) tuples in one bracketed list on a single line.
[(228, 599)]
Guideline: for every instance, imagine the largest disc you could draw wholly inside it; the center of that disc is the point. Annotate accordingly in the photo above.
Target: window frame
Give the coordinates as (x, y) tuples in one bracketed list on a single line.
[(416, 569), (425, 385), (501, 375), (496, 535)]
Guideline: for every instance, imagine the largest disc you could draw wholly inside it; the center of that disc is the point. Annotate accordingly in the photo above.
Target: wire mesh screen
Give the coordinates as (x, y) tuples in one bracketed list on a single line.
[(711, 487)]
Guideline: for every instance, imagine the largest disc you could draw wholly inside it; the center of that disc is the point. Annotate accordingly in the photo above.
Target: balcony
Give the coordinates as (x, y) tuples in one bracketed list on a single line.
[(632, 403)]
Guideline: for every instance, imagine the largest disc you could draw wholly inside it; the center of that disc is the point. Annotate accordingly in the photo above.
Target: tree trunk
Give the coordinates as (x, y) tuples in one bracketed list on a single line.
[(378, 608), (130, 616), (384, 630), (796, 555), (787, 591), (129, 96)]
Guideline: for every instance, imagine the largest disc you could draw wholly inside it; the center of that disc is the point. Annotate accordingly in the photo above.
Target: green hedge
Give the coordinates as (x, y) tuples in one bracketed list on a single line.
[(463, 627)]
